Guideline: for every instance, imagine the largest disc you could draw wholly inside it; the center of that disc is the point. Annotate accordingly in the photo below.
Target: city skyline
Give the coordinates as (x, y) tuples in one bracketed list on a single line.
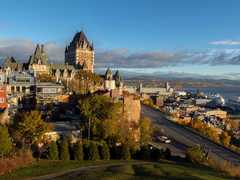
[(185, 38)]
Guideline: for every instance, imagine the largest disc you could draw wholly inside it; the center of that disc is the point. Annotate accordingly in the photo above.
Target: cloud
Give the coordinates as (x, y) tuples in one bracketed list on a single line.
[(127, 59), (226, 42), (21, 49), (123, 58)]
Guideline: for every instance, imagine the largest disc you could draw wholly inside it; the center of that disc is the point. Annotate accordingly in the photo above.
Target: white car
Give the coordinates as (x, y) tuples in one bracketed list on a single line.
[(164, 139), (168, 141)]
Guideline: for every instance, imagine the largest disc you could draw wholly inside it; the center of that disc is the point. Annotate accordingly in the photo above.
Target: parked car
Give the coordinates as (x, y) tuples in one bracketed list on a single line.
[(164, 139)]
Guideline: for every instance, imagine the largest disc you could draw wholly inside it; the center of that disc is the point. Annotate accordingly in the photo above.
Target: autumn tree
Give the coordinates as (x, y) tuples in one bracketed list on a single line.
[(5, 141), (98, 112), (29, 127), (145, 131), (225, 139)]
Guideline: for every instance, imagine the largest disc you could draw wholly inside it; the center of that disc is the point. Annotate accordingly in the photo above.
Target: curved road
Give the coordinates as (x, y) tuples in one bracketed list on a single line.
[(189, 138)]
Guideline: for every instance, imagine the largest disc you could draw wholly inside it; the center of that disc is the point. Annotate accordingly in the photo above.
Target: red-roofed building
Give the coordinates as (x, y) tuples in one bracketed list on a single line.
[(3, 98)]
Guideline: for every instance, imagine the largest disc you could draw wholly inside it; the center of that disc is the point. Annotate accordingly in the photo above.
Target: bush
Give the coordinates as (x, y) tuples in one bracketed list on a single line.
[(104, 151), (53, 151), (225, 166), (125, 152), (156, 154), (22, 158), (93, 152), (64, 150), (196, 154), (78, 151), (5, 141), (145, 153), (167, 154)]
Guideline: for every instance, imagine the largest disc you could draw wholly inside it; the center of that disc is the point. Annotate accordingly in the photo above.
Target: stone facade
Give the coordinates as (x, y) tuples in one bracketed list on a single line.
[(80, 53), (132, 112)]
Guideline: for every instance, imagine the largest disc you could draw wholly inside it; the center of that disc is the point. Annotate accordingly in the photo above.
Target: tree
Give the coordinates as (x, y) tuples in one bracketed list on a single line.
[(53, 151), (93, 152), (5, 141), (225, 138), (125, 152), (64, 150), (105, 153), (96, 110), (29, 127), (145, 130), (78, 151)]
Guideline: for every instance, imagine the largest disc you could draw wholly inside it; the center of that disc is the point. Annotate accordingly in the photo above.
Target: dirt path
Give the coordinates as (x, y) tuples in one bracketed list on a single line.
[(72, 171)]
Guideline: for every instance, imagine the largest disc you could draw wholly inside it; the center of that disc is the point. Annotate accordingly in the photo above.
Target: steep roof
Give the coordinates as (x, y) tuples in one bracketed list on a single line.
[(80, 38), (39, 56), (12, 63)]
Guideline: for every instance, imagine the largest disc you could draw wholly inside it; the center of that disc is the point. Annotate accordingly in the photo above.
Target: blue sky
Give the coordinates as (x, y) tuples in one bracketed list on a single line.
[(153, 31)]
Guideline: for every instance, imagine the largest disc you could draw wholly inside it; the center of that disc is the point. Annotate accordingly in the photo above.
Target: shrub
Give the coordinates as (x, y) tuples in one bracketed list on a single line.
[(226, 166), (5, 141), (104, 151), (196, 154), (156, 154), (22, 158), (167, 154), (93, 152), (64, 150), (145, 153), (125, 152), (78, 151), (53, 151)]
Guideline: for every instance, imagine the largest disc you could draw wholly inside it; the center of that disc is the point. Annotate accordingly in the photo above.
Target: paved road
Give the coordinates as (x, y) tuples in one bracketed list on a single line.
[(189, 138)]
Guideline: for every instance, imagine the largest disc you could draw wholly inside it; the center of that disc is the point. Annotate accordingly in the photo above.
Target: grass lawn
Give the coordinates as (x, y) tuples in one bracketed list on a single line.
[(111, 170)]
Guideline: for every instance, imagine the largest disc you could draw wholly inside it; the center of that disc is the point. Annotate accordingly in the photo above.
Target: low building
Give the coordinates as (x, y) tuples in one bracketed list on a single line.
[(202, 102), (48, 92)]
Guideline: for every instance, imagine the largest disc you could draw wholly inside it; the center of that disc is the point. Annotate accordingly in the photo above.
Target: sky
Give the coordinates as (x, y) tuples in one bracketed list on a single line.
[(147, 36)]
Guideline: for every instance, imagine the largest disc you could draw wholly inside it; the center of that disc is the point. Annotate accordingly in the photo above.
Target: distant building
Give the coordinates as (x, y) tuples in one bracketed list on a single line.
[(10, 64), (38, 62), (157, 91), (80, 53), (111, 81), (48, 92), (20, 83)]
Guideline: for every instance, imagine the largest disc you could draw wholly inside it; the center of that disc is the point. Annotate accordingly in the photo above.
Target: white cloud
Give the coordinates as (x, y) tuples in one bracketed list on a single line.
[(226, 42), (21, 49)]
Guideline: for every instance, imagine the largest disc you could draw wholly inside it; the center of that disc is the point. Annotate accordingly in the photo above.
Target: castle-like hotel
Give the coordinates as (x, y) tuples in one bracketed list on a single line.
[(20, 79), (79, 55)]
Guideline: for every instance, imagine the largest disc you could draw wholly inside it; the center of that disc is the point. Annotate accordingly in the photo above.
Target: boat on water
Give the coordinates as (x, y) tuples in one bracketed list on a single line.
[(234, 103), (216, 100)]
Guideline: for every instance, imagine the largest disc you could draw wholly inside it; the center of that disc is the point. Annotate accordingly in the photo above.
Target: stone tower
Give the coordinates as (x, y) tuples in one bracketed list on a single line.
[(80, 53)]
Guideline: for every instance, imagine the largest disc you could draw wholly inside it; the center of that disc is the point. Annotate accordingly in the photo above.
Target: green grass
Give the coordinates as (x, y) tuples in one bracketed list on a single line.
[(127, 170)]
